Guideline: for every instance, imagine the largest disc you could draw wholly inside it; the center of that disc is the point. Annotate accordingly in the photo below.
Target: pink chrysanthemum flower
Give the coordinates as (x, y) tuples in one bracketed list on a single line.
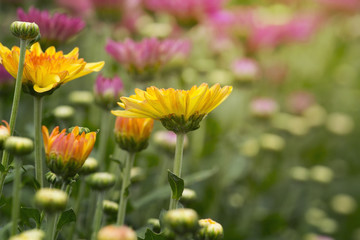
[(148, 55), (263, 107), (108, 91), (54, 29), (186, 12)]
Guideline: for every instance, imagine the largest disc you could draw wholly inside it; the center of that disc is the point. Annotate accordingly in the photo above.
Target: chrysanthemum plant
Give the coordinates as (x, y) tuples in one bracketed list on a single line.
[(180, 111)]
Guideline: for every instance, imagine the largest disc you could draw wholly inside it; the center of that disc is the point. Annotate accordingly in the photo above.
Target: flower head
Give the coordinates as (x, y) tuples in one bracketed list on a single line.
[(186, 12), (132, 134), (67, 152), (263, 107), (245, 70), (179, 111), (46, 71), (107, 91), (148, 55), (54, 29)]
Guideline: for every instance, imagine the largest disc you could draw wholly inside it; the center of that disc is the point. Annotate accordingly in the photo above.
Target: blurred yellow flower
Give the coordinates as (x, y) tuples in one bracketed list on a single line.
[(179, 111), (132, 134), (46, 71)]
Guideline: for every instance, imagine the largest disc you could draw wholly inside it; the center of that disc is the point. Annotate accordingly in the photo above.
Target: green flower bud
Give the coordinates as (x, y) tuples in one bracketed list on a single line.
[(116, 233), (188, 196), (81, 130), (137, 174), (101, 181), (181, 221), (19, 145), (83, 98), (51, 178), (25, 30), (51, 200), (34, 234), (210, 230), (155, 224), (110, 207), (91, 165)]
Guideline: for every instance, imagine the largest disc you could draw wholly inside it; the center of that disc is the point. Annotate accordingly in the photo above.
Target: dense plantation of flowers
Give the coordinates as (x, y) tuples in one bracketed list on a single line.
[(179, 120)]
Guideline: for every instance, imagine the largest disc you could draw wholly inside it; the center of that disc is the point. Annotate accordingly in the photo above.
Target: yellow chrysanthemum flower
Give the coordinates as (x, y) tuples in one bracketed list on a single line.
[(179, 111), (46, 71)]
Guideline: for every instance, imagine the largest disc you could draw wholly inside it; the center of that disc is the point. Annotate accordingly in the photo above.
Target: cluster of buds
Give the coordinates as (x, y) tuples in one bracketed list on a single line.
[(108, 91)]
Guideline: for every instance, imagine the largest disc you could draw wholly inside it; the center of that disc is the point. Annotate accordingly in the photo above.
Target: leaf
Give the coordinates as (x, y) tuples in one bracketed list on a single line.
[(30, 213), (150, 235), (176, 184), (163, 192), (2, 168), (66, 217)]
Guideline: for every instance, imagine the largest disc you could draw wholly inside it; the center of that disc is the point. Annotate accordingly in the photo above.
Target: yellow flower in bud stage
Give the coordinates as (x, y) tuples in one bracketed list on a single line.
[(132, 134), (46, 71), (67, 152), (179, 111)]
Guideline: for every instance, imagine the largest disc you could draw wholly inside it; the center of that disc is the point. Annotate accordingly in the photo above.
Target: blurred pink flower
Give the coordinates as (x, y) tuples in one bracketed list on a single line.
[(299, 101), (147, 55), (108, 91), (263, 107), (187, 12), (80, 8), (341, 5), (5, 77), (245, 70), (55, 29)]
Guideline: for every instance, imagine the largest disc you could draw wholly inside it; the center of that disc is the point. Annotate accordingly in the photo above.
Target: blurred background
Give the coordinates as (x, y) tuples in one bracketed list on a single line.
[(279, 159)]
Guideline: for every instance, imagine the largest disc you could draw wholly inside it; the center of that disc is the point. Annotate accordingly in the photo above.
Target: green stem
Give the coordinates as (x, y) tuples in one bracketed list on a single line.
[(98, 216), (14, 109), (125, 184), (79, 198), (106, 126), (16, 197), (177, 164), (38, 142), (51, 226)]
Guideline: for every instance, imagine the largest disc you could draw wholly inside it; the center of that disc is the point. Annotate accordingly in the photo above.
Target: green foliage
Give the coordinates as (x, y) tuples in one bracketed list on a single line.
[(176, 184)]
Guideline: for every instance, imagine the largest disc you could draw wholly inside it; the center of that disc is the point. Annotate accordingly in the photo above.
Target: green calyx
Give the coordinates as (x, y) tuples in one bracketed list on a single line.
[(178, 124)]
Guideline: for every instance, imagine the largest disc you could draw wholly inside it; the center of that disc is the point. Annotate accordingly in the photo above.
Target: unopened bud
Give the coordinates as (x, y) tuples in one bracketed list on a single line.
[(101, 181), (116, 233), (91, 165), (137, 174), (155, 224), (272, 142), (210, 230), (181, 221), (19, 145), (51, 200), (34, 234), (188, 196), (51, 177), (64, 112), (24, 30), (110, 207), (83, 98)]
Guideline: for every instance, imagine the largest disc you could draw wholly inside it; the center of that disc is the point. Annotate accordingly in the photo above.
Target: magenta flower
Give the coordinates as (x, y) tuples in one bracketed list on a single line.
[(186, 12), (5, 77), (54, 29), (148, 55), (108, 91), (299, 101), (263, 107), (245, 70)]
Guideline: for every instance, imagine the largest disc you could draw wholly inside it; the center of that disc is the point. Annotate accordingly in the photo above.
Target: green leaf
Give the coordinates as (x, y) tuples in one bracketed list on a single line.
[(66, 217), (30, 213), (176, 184), (150, 235), (2, 168)]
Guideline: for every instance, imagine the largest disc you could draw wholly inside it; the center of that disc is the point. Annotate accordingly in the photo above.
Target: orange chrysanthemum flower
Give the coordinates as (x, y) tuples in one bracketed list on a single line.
[(132, 134), (179, 111), (67, 152), (46, 71), (4, 133)]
